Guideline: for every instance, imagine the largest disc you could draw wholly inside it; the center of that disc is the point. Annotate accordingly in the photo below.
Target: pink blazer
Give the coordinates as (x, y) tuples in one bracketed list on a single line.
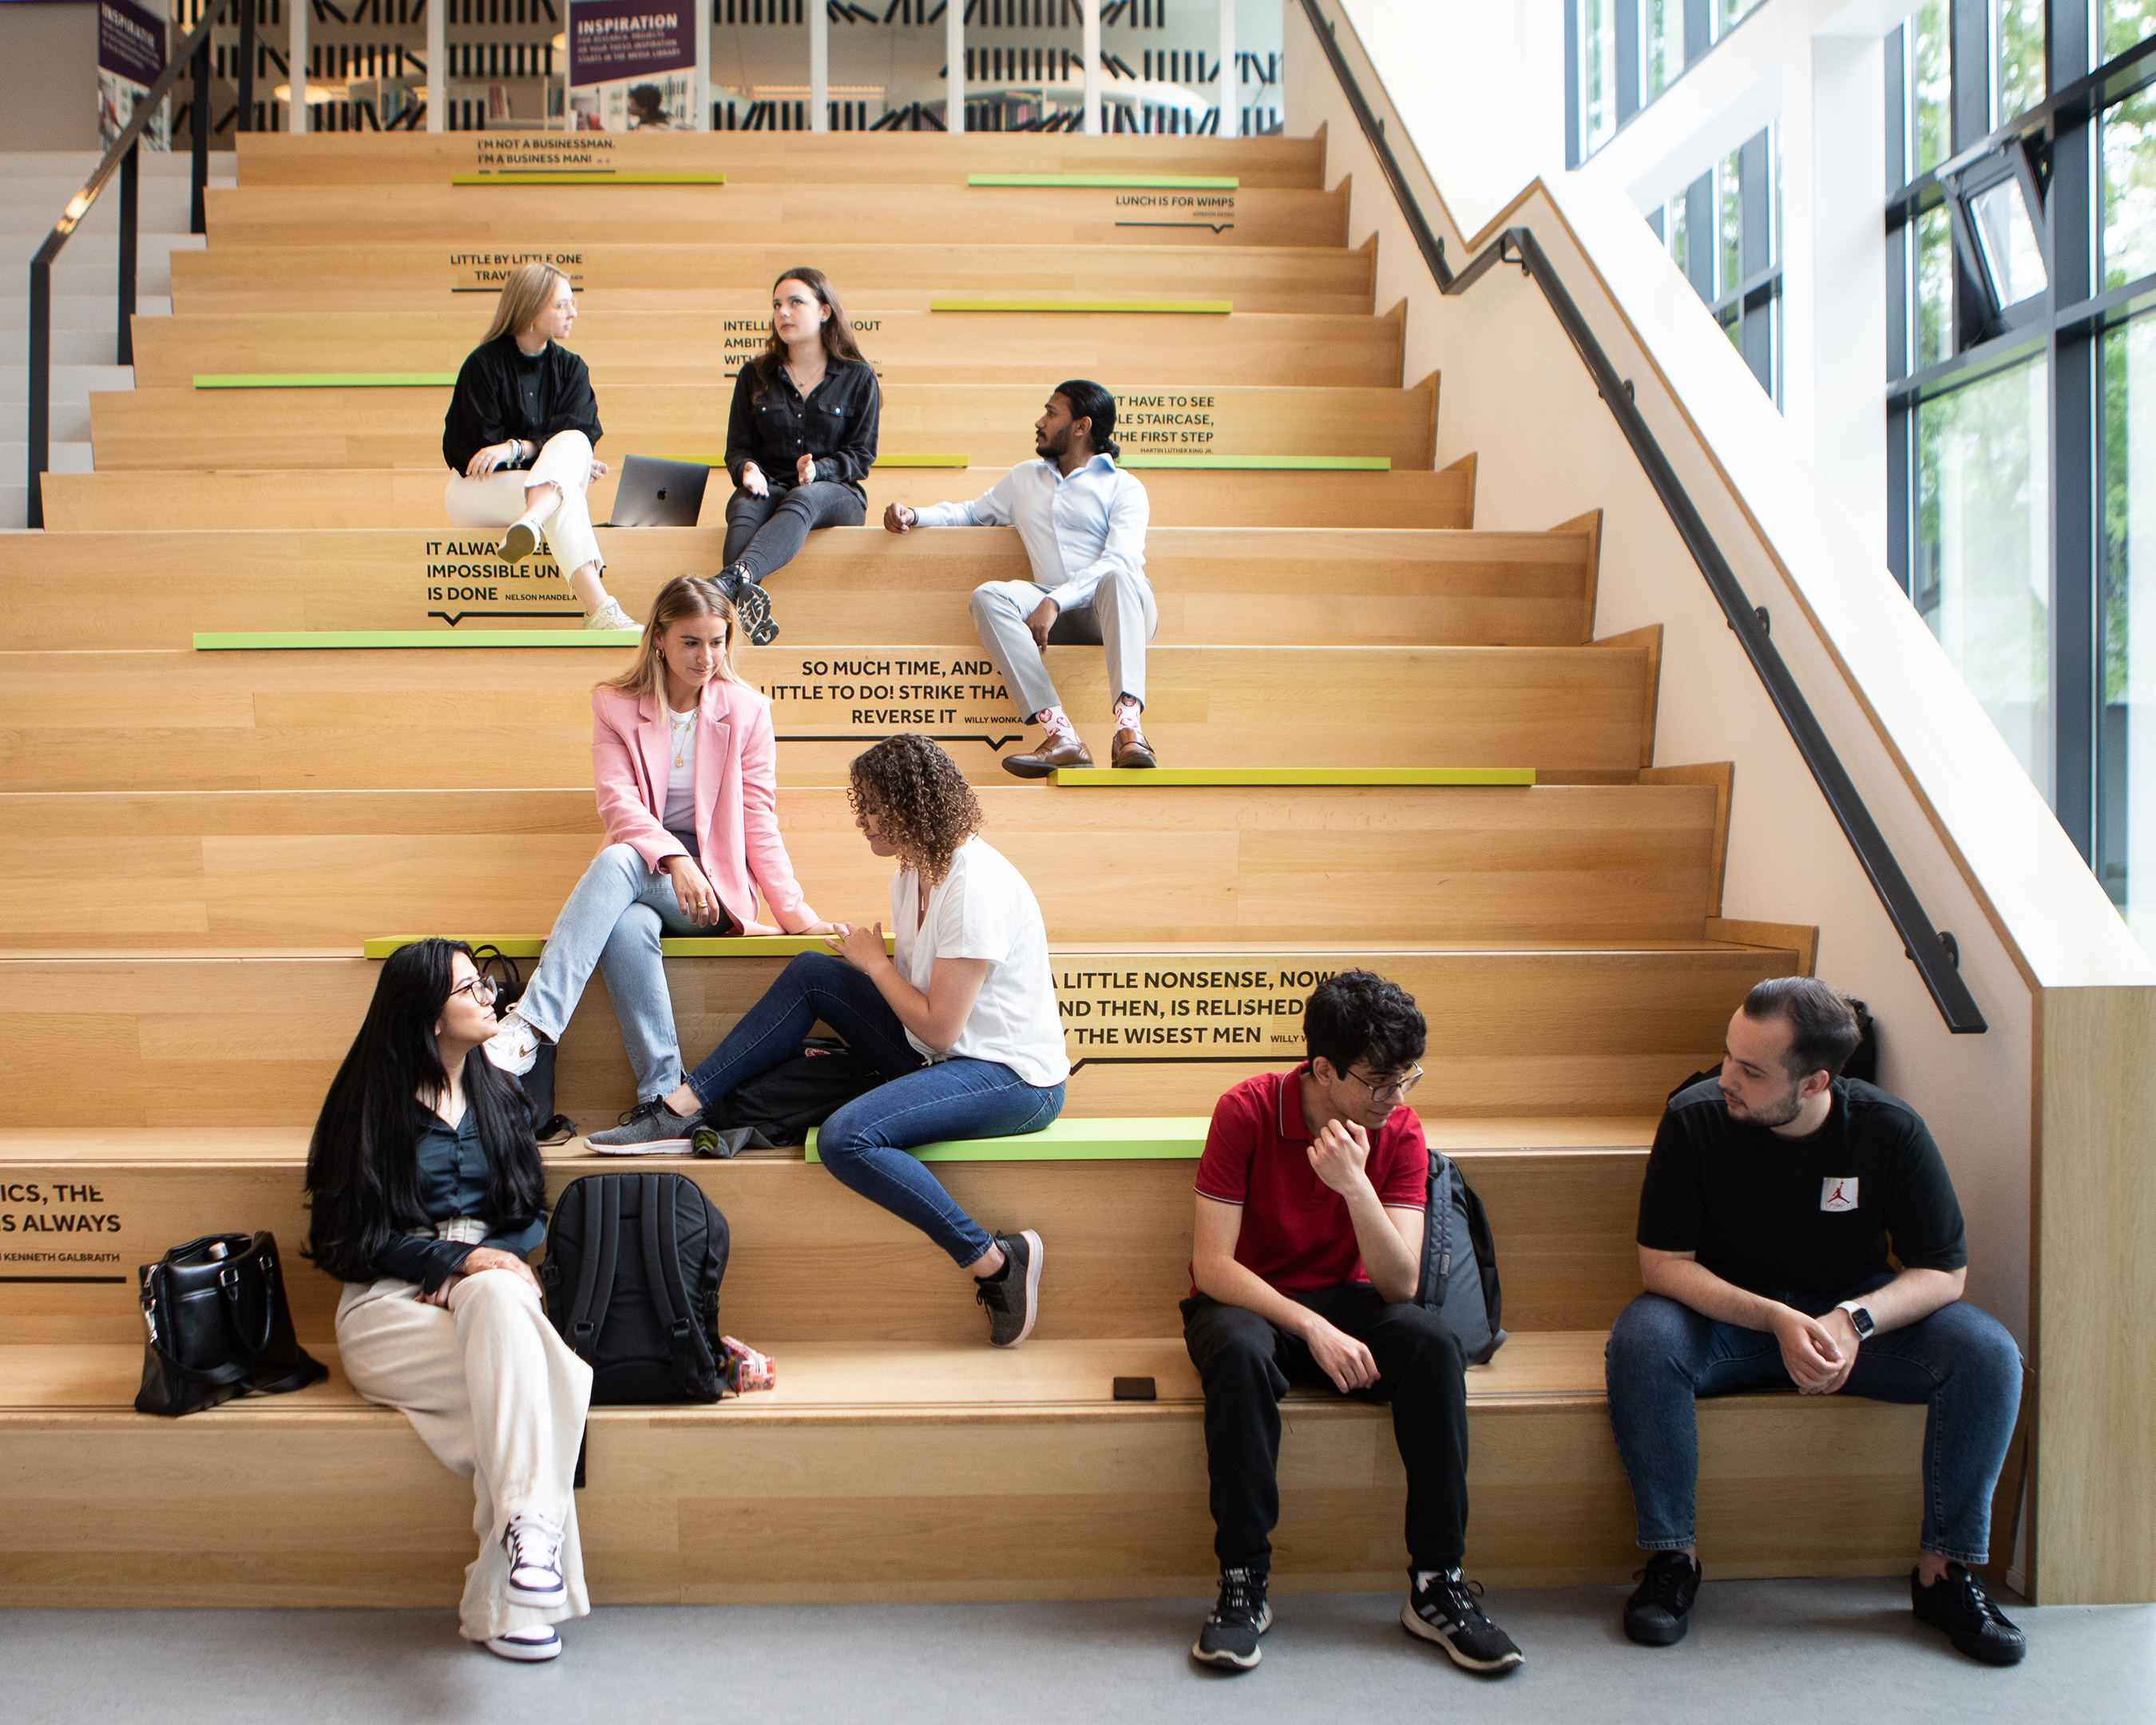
[(737, 800)]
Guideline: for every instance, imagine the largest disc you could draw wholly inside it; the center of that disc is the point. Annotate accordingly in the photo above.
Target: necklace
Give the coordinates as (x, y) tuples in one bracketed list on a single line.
[(684, 725)]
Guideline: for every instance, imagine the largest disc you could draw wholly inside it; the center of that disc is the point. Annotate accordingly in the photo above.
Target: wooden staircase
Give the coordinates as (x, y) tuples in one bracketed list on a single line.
[(198, 842)]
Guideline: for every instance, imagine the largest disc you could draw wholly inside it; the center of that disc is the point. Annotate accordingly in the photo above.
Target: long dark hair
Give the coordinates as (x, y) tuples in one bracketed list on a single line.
[(362, 1161), (1090, 401), (839, 341)]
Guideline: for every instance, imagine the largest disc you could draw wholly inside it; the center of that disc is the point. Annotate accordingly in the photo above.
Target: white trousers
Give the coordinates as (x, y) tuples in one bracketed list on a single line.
[(497, 499), (498, 1396)]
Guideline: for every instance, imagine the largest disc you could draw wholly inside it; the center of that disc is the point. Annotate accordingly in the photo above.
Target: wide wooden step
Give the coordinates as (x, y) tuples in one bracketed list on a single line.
[(177, 1036), (360, 500), (494, 717), (493, 217), (301, 430), (879, 1471), (627, 348), (850, 587)]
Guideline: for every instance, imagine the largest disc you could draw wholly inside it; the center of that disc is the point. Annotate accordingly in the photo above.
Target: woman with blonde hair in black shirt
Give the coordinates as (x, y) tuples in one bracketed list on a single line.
[(519, 434), (801, 438)]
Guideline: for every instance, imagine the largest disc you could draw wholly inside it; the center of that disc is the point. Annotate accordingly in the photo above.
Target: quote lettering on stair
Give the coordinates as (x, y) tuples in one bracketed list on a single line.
[(1165, 420), (465, 579), (859, 699), (1143, 1015), (57, 1231)]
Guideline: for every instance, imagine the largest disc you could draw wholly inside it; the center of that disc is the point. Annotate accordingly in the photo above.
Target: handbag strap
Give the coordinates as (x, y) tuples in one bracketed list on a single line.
[(231, 1275)]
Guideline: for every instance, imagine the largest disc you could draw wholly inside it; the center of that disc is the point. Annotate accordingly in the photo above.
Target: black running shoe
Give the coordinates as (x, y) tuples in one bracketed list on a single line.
[(1447, 1610), (1659, 1610), (1957, 1604), (1013, 1295), (1229, 1637), (751, 603)]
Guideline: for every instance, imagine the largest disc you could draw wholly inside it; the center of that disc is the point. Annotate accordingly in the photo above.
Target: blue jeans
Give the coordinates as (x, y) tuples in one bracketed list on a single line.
[(611, 922), (864, 1143), (1959, 1361)]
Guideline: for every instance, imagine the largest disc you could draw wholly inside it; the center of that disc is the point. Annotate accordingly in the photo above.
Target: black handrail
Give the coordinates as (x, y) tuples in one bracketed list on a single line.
[(1932, 951), (120, 157)]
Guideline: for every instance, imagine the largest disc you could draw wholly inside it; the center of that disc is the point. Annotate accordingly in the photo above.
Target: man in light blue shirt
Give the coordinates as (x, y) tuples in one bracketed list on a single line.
[(1082, 520)]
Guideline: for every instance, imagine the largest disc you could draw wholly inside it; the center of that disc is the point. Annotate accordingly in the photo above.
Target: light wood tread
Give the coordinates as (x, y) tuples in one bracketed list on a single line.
[(844, 1380)]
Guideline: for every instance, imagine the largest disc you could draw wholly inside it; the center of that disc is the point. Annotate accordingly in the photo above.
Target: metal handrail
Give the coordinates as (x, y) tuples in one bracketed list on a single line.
[(1932, 951), (121, 158)]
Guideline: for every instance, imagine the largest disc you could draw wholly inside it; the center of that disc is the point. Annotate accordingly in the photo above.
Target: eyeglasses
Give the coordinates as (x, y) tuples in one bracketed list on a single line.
[(482, 989), (1394, 1090)]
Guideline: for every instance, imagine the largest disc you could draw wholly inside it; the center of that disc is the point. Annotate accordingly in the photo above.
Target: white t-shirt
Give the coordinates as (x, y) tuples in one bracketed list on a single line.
[(983, 909), (681, 769)]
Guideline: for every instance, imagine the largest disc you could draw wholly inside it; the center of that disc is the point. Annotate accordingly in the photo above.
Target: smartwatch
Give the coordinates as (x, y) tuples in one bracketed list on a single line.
[(1859, 1319)]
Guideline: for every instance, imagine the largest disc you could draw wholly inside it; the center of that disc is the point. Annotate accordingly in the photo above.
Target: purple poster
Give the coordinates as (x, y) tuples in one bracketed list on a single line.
[(631, 65), (131, 55)]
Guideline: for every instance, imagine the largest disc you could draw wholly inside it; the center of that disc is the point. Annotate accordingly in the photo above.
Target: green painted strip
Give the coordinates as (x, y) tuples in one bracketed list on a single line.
[(1164, 777), (1311, 463), (1210, 308), (883, 460), (688, 946), (598, 176), (1151, 182), (311, 640), (1177, 1138), (325, 380)]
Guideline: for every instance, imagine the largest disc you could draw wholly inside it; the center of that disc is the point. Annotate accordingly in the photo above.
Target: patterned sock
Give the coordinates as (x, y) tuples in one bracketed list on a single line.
[(1057, 722), (1126, 715)]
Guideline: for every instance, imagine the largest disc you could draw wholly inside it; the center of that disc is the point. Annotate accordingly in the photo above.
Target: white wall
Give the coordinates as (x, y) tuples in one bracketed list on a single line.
[(47, 76)]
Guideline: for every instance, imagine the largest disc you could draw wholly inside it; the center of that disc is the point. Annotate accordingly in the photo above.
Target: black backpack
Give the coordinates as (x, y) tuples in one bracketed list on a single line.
[(781, 1106), (632, 1277), (1459, 1262)]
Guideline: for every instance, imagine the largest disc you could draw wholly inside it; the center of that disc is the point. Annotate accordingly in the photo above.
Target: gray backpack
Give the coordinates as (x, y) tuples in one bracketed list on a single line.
[(1459, 1262)]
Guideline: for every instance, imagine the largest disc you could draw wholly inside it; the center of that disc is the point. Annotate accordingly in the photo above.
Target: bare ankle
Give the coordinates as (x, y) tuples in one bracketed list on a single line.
[(989, 1264)]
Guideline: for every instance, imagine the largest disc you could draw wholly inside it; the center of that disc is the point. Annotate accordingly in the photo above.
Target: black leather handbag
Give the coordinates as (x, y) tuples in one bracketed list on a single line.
[(217, 1326)]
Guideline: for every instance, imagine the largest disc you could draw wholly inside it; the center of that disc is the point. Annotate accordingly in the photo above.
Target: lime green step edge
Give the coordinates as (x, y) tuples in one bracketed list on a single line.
[(325, 380), (1170, 1138), (1310, 464), (1079, 778), (720, 461), (596, 177), (1149, 182), (684, 946), (302, 641), (1210, 308)]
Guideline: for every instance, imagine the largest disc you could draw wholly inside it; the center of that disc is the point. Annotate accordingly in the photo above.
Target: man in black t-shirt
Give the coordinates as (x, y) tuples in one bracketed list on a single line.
[(1771, 1202)]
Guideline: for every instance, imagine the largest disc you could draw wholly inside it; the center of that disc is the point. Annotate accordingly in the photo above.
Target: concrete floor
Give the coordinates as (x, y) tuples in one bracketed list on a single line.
[(1759, 1652)]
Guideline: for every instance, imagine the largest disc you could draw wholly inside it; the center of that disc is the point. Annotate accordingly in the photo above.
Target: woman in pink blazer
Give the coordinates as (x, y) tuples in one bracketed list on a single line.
[(686, 773)]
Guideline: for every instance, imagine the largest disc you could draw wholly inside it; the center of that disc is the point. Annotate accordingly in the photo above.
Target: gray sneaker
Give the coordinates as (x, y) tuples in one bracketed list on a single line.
[(1014, 1296), (649, 1129)]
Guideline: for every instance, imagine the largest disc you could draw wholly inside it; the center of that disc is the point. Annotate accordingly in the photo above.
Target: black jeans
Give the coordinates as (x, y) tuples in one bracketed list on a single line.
[(1246, 1365), (768, 533)]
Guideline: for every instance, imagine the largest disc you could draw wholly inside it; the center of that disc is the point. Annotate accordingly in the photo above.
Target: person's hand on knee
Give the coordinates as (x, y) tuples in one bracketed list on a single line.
[(753, 480), (1043, 619), (483, 1260)]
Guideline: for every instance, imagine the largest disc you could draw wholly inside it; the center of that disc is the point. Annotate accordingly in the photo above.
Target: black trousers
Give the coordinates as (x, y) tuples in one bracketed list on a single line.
[(1247, 1364)]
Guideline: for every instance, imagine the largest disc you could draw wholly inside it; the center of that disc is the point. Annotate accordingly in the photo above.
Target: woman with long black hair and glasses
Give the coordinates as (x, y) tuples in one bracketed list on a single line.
[(428, 1200), (800, 440)]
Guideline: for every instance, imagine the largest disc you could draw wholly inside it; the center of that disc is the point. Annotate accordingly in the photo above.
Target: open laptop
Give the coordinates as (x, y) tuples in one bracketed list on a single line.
[(657, 493)]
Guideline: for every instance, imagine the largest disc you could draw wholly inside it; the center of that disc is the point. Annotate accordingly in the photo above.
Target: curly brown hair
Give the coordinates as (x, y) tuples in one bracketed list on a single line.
[(919, 798)]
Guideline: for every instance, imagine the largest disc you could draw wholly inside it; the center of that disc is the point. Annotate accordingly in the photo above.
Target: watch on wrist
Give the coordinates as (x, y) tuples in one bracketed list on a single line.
[(1860, 1320)]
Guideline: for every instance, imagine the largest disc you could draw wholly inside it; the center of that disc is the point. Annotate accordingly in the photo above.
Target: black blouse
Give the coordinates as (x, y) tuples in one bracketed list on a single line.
[(502, 392), (454, 1172), (837, 424)]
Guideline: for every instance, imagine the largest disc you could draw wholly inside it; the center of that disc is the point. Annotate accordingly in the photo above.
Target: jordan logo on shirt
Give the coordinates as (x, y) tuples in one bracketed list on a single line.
[(1838, 1194)]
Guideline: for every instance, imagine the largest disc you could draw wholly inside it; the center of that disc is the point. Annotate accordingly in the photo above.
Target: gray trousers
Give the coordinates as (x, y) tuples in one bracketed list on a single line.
[(1121, 617), (768, 533)]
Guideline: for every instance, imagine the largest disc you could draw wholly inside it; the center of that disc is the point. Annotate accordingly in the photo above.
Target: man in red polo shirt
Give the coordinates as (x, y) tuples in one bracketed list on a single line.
[(1305, 1263)]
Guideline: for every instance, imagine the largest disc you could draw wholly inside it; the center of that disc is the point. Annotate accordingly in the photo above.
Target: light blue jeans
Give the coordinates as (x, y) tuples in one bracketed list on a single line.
[(612, 923)]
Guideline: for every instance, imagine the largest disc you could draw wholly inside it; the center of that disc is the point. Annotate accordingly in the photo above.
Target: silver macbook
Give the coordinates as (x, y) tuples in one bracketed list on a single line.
[(658, 493)]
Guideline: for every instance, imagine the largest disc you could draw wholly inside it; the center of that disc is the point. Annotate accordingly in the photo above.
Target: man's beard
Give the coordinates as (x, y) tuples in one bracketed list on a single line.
[(1772, 1114), (1051, 447)]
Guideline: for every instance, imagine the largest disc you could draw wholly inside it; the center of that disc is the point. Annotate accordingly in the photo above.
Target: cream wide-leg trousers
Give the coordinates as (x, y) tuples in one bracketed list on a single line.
[(495, 499), (498, 1396)]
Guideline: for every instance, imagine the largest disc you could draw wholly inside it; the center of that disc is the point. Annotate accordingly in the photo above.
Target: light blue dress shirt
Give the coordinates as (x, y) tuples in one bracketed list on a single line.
[(1075, 527)]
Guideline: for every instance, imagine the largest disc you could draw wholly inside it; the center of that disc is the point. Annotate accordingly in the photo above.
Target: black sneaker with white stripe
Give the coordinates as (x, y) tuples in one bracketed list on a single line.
[(1444, 1607), (751, 603), (1229, 1638), (534, 1551)]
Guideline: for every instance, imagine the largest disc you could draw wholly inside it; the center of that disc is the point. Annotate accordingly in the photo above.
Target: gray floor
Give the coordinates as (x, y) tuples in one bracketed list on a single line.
[(1759, 1651)]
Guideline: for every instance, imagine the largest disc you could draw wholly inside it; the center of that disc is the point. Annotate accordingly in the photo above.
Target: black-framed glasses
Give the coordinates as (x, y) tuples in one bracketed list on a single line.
[(1393, 1090), (481, 989)]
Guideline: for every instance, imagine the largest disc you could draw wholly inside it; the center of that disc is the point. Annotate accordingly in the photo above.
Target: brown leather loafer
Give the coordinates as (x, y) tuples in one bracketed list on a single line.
[(1131, 750), (1045, 759)]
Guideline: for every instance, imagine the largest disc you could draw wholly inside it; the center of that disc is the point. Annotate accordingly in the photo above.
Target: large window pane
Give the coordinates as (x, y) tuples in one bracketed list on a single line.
[(1932, 86), (2018, 28), (2126, 725), (2129, 188), (1729, 187), (2009, 242), (2125, 23), (1661, 58), (1597, 74), (1983, 568), (1935, 279)]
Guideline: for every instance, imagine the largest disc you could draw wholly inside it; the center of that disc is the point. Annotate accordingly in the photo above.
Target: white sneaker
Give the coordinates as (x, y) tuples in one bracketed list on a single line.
[(610, 615), (515, 1047), (535, 1564), (521, 540), (526, 1646)]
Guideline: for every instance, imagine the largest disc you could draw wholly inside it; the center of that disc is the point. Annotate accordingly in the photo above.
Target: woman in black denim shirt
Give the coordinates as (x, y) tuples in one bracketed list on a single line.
[(800, 440)]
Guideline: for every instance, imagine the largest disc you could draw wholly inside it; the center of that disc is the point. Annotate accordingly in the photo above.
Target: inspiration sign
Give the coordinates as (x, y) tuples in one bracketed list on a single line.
[(632, 65)]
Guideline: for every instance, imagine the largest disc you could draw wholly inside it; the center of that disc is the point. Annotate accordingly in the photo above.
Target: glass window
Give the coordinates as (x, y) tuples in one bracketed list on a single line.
[(1729, 204), (1597, 74), (1662, 46), (1982, 565), (1932, 86), (2125, 23), (2126, 712), (2007, 241), (2017, 27), (2129, 188), (1727, 13), (1679, 241), (1935, 283)]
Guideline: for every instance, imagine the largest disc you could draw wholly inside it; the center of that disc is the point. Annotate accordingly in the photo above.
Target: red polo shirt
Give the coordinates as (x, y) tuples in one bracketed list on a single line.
[(1297, 1233)]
